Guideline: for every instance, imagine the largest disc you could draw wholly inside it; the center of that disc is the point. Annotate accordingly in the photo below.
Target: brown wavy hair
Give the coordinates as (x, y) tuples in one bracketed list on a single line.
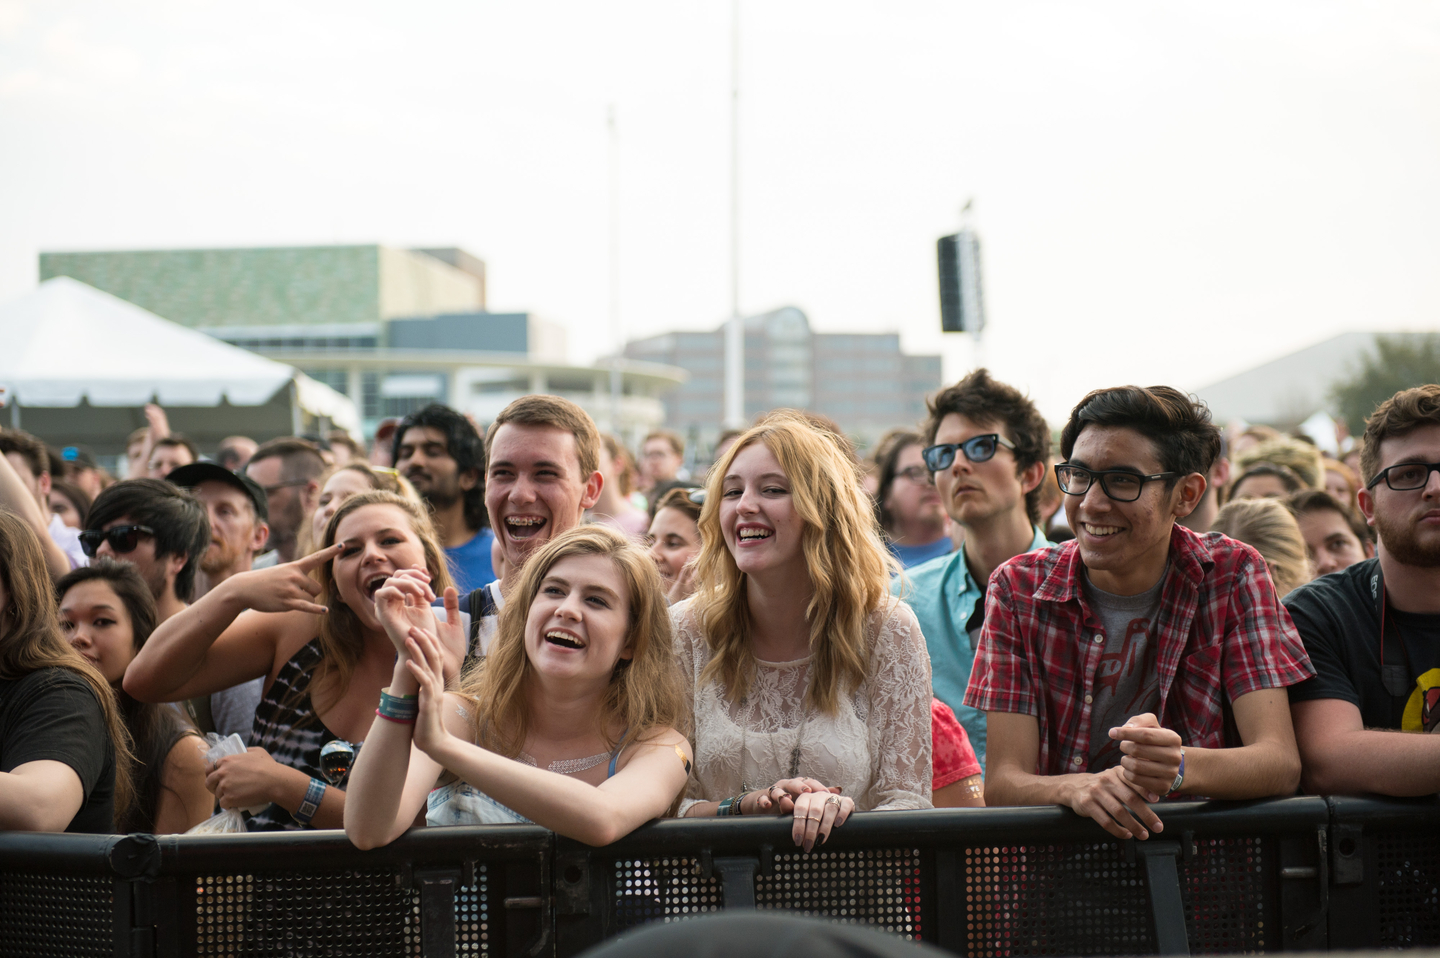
[(341, 642), (30, 640), (644, 696), (849, 566)]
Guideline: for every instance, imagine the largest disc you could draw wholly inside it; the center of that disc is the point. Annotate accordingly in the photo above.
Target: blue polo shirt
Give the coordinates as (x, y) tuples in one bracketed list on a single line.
[(470, 564), (911, 556), (942, 593)]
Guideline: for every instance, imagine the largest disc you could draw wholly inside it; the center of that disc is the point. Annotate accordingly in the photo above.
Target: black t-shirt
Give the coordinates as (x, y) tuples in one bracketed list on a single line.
[(1338, 616), (52, 714)]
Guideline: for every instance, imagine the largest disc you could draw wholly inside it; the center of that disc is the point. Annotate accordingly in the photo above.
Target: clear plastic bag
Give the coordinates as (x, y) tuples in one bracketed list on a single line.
[(228, 821)]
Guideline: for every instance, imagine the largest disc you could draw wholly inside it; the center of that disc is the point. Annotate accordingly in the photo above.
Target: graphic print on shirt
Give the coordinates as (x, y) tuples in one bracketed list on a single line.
[(1126, 684), (1422, 712)]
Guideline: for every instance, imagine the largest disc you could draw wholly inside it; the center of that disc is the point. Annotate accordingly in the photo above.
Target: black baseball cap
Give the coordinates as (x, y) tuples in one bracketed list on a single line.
[(188, 477)]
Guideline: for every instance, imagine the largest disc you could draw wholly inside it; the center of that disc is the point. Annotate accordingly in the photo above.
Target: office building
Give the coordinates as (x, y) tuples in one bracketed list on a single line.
[(861, 380), (392, 329)]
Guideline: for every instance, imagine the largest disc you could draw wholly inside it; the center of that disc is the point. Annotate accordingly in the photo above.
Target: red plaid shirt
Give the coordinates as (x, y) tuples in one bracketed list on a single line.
[(1222, 633)]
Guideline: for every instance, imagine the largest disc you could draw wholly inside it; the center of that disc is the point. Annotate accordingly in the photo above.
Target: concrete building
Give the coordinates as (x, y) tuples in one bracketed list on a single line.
[(861, 380), (392, 329)]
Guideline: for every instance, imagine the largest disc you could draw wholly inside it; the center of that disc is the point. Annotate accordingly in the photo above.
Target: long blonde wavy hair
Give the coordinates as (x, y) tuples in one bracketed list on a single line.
[(341, 641), (644, 693), (849, 565)]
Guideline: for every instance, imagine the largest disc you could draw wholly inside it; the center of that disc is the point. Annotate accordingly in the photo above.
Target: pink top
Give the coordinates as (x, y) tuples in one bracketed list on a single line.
[(954, 759)]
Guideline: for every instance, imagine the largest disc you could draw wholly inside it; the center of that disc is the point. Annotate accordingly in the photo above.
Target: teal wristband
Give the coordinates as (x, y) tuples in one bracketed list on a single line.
[(398, 708)]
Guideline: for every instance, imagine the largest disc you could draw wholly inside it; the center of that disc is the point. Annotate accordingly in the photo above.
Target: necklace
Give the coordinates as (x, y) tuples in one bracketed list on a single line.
[(794, 769), (568, 766)]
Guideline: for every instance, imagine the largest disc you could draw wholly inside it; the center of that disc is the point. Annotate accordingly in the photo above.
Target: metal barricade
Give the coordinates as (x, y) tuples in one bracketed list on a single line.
[(1293, 874)]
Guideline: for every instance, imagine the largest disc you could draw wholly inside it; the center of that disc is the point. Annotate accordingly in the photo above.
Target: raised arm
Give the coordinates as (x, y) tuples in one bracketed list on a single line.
[(16, 499), (1343, 757), (215, 644), (379, 805)]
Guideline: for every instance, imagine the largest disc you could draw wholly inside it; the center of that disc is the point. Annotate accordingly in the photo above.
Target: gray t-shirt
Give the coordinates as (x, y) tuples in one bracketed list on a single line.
[(1126, 682)]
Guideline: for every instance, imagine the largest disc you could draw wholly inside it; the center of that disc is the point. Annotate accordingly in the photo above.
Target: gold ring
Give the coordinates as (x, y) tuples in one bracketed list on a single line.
[(833, 800)]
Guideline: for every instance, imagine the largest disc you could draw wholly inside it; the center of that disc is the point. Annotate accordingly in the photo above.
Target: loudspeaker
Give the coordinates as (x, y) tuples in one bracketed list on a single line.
[(962, 308)]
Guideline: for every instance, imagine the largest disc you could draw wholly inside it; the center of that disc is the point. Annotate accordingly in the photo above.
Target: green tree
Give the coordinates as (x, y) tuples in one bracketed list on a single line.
[(1398, 362)]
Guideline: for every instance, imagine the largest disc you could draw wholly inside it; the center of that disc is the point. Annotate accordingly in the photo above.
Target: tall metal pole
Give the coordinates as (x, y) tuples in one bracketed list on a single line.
[(617, 328), (735, 328)]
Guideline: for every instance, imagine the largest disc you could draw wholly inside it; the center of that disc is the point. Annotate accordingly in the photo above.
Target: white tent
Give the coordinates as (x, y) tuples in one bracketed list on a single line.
[(69, 345)]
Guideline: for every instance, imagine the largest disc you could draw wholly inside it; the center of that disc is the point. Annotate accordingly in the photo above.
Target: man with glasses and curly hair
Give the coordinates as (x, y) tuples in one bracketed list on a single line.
[(1140, 659), (1373, 628), (985, 446)]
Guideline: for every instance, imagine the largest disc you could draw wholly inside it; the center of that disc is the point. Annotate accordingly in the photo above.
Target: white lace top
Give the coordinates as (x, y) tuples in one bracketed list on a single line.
[(876, 747)]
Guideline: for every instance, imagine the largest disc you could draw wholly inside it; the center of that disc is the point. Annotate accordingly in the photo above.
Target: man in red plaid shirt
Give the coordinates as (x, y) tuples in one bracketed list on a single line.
[(1140, 659)]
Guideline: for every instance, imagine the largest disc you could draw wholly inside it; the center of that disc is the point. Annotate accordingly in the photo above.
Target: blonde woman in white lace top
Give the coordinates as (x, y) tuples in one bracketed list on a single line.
[(810, 684)]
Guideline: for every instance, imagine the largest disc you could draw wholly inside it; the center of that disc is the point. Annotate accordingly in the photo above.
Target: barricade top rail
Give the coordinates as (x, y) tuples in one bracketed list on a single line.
[(144, 855)]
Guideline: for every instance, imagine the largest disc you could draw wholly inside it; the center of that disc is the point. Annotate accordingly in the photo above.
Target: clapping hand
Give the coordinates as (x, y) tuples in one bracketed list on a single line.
[(405, 602), (426, 663)]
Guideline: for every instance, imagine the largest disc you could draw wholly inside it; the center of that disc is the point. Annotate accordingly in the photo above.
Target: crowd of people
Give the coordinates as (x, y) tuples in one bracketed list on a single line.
[(530, 623)]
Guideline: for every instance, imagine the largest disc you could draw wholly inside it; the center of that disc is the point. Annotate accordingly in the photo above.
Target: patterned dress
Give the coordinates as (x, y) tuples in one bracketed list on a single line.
[(287, 727)]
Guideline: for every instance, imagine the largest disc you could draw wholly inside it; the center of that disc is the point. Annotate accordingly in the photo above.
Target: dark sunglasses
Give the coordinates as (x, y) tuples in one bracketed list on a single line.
[(976, 449), (696, 496), (122, 539)]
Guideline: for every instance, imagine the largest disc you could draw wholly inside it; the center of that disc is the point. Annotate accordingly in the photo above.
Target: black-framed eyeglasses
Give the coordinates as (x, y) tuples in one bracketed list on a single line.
[(1117, 484), (1405, 476), (940, 457), (122, 539), (917, 474)]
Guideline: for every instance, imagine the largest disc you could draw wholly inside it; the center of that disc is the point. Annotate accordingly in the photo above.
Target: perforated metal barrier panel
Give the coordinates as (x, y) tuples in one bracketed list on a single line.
[(661, 889), (879, 887), (45, 915), (306, 913), (994, 883), (1408, 882)]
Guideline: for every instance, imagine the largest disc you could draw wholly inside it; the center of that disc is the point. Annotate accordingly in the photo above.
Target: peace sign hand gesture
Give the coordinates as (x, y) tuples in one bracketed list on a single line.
[(288, 587)]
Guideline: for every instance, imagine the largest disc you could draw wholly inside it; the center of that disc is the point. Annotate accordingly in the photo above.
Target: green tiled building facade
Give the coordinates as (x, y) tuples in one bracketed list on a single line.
[(294, 286)]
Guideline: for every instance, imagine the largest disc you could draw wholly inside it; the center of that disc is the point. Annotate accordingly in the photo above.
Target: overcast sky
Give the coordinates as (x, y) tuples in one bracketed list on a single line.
[(1165, 192)]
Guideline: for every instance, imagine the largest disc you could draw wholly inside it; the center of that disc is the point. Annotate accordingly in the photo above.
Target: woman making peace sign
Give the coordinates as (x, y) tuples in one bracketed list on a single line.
[(311, 629)]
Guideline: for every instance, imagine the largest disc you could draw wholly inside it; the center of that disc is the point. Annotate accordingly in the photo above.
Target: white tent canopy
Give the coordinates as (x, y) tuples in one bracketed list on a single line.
[(67, 342)]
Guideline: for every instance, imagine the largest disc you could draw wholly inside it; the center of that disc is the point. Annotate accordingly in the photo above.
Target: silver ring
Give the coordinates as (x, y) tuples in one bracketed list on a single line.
[(833, 800)]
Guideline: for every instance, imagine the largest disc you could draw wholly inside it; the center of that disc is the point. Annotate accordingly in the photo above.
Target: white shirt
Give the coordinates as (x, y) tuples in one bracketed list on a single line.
[(68, 539)]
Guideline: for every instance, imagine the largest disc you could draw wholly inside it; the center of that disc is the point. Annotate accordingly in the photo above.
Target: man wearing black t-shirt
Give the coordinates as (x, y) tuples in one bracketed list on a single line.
[(1373, 629)]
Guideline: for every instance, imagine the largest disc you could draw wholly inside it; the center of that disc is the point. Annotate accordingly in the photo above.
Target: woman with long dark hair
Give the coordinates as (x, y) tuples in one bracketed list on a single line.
[(64, 751), (107, 612), (310, 628)]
